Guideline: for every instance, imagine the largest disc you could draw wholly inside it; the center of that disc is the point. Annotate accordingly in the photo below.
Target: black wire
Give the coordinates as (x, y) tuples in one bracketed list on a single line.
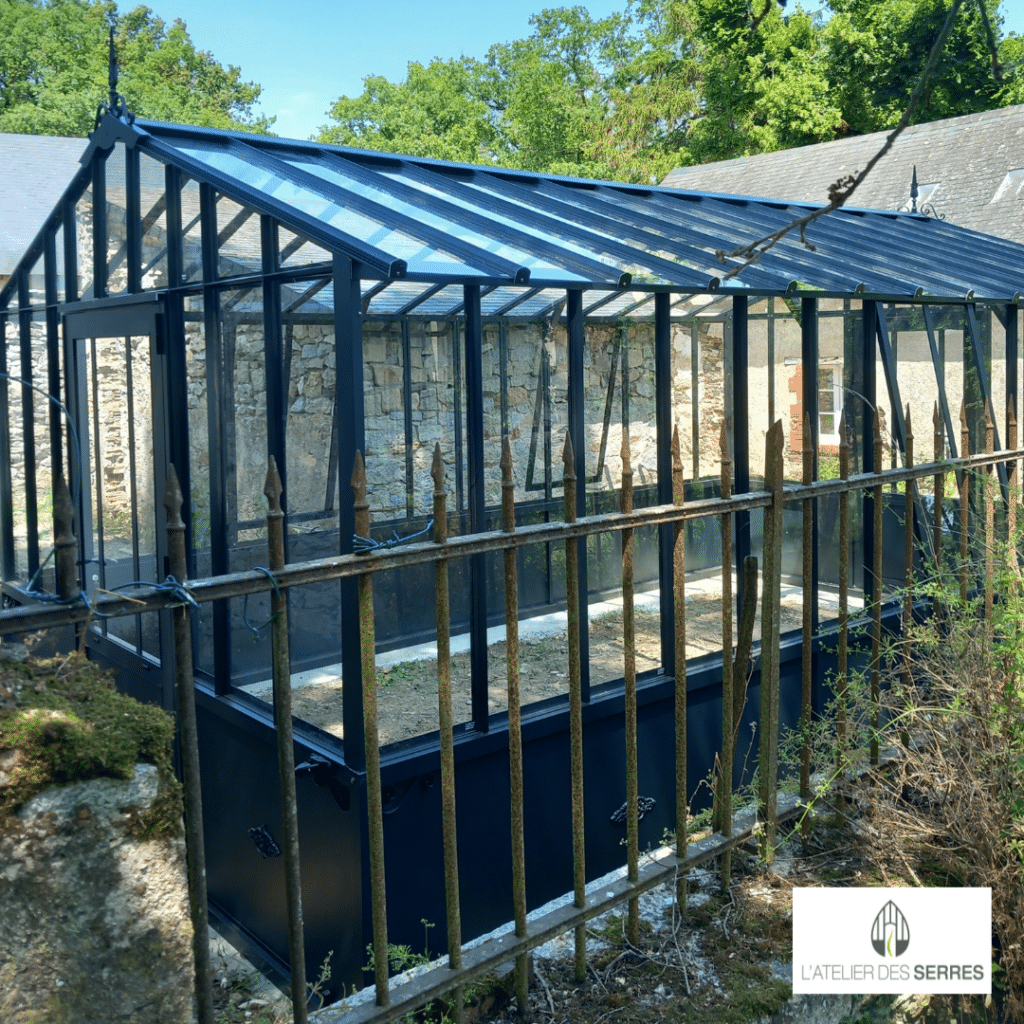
[(363, 545), (245, 606)]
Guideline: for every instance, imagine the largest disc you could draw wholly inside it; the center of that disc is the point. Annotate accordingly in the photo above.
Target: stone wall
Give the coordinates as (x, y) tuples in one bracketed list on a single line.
[(96, 925)]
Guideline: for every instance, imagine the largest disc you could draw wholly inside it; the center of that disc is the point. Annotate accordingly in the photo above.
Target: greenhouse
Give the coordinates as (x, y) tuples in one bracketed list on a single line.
[(208, 299)]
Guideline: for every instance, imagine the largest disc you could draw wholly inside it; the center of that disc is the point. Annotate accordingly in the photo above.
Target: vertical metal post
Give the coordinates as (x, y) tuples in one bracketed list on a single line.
[(192, 789), (723, 795), (371, 747), (445, 726), (348, 348), (572, 600), (908, 554), (629, 696), (663, 434), (876, 592), (740, 434), (1012, 367), (679, 621), (842, 667), (99, 224), (809, 357), (575, 326), (695, 379), (133, 218), (1013, 497), (477, 503), (515, 735), (868, 392), (990, 516), (286, 745), (64, 543), (807, 602), (938, 490), (771, 600), (965, 503)]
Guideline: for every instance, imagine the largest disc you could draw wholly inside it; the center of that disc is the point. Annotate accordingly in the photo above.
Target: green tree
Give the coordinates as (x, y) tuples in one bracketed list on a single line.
[(54, 70), (898, 36), (439, 111), (762, 89), (670, 82)]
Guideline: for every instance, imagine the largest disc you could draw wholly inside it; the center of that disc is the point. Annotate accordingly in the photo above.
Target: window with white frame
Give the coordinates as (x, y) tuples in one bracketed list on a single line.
[(830, 402)]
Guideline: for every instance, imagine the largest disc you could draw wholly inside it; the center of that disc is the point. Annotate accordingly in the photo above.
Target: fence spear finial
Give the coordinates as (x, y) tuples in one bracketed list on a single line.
[(678, 483), (568, 459), (437, 468), (273, 488)]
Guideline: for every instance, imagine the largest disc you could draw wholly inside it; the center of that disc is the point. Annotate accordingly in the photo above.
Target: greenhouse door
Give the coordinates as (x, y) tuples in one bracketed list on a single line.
[(116, 395)]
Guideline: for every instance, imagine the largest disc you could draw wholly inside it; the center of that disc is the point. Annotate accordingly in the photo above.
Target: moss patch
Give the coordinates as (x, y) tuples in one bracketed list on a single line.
[(62, 720)]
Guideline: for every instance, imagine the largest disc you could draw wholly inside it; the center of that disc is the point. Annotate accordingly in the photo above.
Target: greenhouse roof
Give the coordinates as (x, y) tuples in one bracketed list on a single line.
[(432, 225)]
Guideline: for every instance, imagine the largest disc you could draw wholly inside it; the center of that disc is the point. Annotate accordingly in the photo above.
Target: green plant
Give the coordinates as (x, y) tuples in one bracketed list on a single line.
[(316, 988), (947, 808)]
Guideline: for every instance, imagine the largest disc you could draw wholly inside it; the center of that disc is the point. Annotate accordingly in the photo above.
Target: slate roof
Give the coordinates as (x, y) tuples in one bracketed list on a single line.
[(970, 168), (36, 171)]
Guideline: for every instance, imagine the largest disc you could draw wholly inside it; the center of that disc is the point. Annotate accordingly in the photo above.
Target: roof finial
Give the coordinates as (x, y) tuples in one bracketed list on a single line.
[(116, 103), (927, 209)]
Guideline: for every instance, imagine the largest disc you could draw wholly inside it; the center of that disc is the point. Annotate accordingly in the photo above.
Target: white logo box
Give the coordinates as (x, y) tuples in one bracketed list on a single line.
[(865, 941)]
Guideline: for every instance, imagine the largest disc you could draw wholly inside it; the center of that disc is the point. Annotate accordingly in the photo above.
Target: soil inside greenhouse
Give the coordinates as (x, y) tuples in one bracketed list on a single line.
[(407, 689)]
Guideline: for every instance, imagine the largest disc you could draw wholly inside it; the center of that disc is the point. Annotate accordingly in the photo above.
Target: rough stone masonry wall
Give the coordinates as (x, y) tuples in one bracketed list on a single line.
[(96, 925)]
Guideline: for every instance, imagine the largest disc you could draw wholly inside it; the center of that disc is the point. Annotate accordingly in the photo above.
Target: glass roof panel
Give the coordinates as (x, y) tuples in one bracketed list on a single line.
[(393, 243), (541, 266), (436, 222)]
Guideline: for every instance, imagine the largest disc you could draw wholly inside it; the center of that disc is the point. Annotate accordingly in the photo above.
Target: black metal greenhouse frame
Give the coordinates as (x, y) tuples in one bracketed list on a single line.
[(392, 237)]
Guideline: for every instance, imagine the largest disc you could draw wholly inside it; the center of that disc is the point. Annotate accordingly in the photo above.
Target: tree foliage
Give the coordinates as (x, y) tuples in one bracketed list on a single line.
[(671, 82), (54, 70)]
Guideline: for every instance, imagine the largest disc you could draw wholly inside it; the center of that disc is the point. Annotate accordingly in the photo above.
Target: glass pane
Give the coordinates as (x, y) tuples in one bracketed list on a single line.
[(153, 203), (117, 225), (192, 249), (331, 211), (238, 239), (83, 230), (122, 478), (299, 251)]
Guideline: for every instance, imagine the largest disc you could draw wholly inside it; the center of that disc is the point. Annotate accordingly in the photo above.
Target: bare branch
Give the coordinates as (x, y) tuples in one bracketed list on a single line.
[(840, 191)]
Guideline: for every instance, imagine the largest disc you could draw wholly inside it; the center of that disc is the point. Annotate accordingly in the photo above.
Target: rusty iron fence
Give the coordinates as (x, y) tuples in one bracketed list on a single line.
[(985, 510)]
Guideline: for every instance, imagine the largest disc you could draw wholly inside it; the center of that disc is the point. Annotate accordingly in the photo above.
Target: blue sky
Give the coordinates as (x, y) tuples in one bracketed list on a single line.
[(305, 54)]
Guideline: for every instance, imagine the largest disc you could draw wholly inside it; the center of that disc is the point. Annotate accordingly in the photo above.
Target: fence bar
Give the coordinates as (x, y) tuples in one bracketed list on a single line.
[(629, 686), (876, 594), (939, 489), (1011, 473), (990, 516), (771, 599), (908, 548), (806, 655), (192, 789), (965, 499), (445, 726), (572, 602), (337, 567), (723, 791), (371, 746), (285, 745), (515, 735), (478, 960), (842, 667), (679, 613), (64, 543)]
